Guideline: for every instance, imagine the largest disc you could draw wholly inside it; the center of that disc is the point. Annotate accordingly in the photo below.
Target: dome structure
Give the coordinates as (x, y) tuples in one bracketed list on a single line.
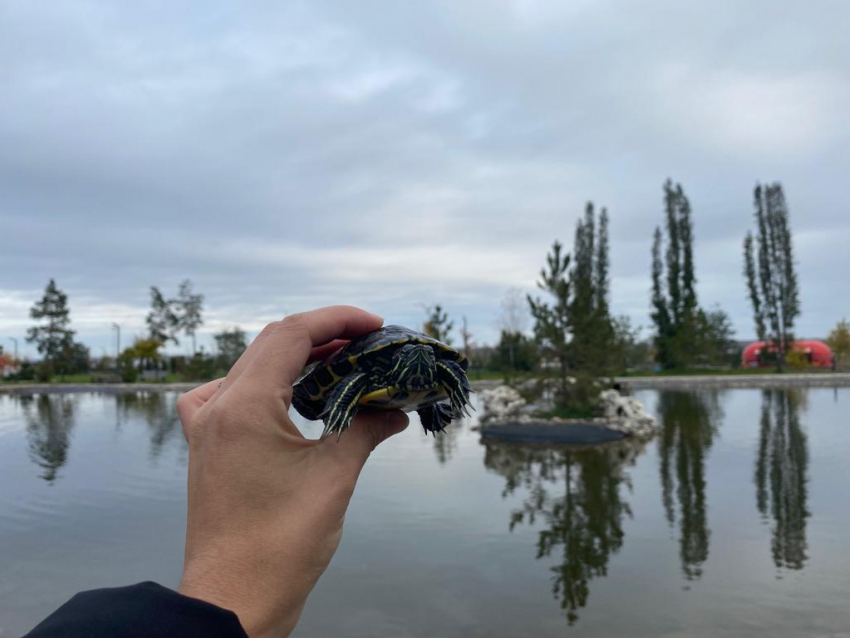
[(818, 354)]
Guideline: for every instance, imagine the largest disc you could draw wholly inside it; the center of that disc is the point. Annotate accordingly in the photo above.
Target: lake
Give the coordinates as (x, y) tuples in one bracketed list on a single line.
[(731, 522)]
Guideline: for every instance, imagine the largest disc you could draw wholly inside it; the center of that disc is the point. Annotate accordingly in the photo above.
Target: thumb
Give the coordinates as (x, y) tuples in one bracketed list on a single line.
[(368, 430)]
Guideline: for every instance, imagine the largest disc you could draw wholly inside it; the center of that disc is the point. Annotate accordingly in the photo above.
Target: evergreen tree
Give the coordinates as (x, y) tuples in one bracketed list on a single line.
[(552, 325), (189, 307), (437, 325), (770, 271), (675, 309), (54, 338)]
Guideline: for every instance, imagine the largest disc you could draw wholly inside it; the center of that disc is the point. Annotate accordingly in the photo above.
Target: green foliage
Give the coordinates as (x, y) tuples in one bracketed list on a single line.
[(552, 325), (189, 308), (839, 341), (200, 368), (574, 329), (230, 345), (53, 338), (770, 271), (715, 343), (592, 330), (629, 350), (674, 306), (162, 320), (437, 325), (515, 352)]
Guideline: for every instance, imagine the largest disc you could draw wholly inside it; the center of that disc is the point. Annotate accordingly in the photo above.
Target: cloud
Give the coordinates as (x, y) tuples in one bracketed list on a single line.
[(391, 155)]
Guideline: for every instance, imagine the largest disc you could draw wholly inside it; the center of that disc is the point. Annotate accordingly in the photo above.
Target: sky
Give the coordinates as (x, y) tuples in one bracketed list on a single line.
[(393, 155)]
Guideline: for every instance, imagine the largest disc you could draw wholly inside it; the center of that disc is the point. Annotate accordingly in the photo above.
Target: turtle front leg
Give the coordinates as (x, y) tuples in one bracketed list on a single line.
[(342, 404), (435, 417), (453, 378)]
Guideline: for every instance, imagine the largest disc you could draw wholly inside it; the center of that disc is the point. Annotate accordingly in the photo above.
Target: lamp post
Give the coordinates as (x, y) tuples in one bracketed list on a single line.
[(16, 347), (117, 329)]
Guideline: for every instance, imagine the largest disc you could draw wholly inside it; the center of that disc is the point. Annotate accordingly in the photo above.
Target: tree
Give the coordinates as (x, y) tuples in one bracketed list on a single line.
[(54, 338), (437, 325), (230, 344), (145, 351), (513, 322), (163, 322), (770, 272), (189, 307), (515, 352), (466, 337), (715, 342), (674, 305), (592, 332), (552, 322), (839, 341), (629, 350)]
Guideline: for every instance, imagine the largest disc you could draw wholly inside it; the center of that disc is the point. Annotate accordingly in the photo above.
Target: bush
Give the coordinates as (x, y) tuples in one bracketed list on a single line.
[(44, 372)]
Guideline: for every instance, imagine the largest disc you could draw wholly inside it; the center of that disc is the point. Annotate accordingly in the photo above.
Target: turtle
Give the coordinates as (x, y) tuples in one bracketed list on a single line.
[(391, 368)]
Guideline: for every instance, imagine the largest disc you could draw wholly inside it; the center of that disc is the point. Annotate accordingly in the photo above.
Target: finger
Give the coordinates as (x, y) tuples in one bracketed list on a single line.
[(320, 353), (289, 343), (189, 402), (368, 430)]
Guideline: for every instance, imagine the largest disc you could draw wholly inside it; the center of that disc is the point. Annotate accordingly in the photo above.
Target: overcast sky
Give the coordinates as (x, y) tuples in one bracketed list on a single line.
[(391, 154)]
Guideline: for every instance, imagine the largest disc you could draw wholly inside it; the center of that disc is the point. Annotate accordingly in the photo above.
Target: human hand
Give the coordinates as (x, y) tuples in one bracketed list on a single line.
[(266, 506)]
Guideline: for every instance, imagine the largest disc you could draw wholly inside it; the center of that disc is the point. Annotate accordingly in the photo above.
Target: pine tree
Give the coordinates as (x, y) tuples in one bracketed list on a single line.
[(54, 339), (437, 325), (552, 325), (772, 285)]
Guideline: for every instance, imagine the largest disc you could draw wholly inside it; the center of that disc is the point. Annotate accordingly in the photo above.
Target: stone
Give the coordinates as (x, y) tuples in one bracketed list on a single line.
[(626, 414), (501, 404)]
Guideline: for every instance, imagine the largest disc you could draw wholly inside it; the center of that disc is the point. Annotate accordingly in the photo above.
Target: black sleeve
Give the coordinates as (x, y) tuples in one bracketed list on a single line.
[(138, 611)]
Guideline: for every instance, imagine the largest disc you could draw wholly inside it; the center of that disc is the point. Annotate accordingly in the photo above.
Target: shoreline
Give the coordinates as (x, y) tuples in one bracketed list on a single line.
[(749, 381)]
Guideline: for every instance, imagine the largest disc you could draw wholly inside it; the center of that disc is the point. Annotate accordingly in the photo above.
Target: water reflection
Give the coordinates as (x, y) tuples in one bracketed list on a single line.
[(690, 421), (445, 442), (157, 410), (577, 496), (781, 474), (49, 422)]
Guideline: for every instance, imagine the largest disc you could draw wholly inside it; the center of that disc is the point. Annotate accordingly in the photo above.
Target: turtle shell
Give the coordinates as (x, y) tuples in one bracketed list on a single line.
[(312, 390)]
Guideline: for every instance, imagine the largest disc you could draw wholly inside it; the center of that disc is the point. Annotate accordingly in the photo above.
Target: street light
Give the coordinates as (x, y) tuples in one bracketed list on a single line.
[(117, 341), (16, 347)]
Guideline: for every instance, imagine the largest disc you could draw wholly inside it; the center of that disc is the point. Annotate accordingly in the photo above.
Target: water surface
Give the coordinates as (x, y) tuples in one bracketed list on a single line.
[(731, 522)]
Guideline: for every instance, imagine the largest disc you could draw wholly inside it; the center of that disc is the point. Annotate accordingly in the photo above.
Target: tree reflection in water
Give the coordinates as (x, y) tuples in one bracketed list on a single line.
[(689, 421), (576, 494), (49, 420), (781, 474), (157, 410)]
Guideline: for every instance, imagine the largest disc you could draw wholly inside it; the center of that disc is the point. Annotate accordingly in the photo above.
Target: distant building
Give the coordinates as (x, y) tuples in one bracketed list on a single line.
[(818, 354)]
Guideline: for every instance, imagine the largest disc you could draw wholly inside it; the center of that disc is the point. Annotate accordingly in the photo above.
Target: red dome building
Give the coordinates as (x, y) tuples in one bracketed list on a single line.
[(818, 353)]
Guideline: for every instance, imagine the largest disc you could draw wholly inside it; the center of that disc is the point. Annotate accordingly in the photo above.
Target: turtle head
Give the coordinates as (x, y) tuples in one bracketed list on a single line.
[(414, 368)]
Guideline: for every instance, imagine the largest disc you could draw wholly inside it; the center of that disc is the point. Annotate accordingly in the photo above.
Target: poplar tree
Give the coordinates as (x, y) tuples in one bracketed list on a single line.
[(592, 329), (675, 309), (770, 272)]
